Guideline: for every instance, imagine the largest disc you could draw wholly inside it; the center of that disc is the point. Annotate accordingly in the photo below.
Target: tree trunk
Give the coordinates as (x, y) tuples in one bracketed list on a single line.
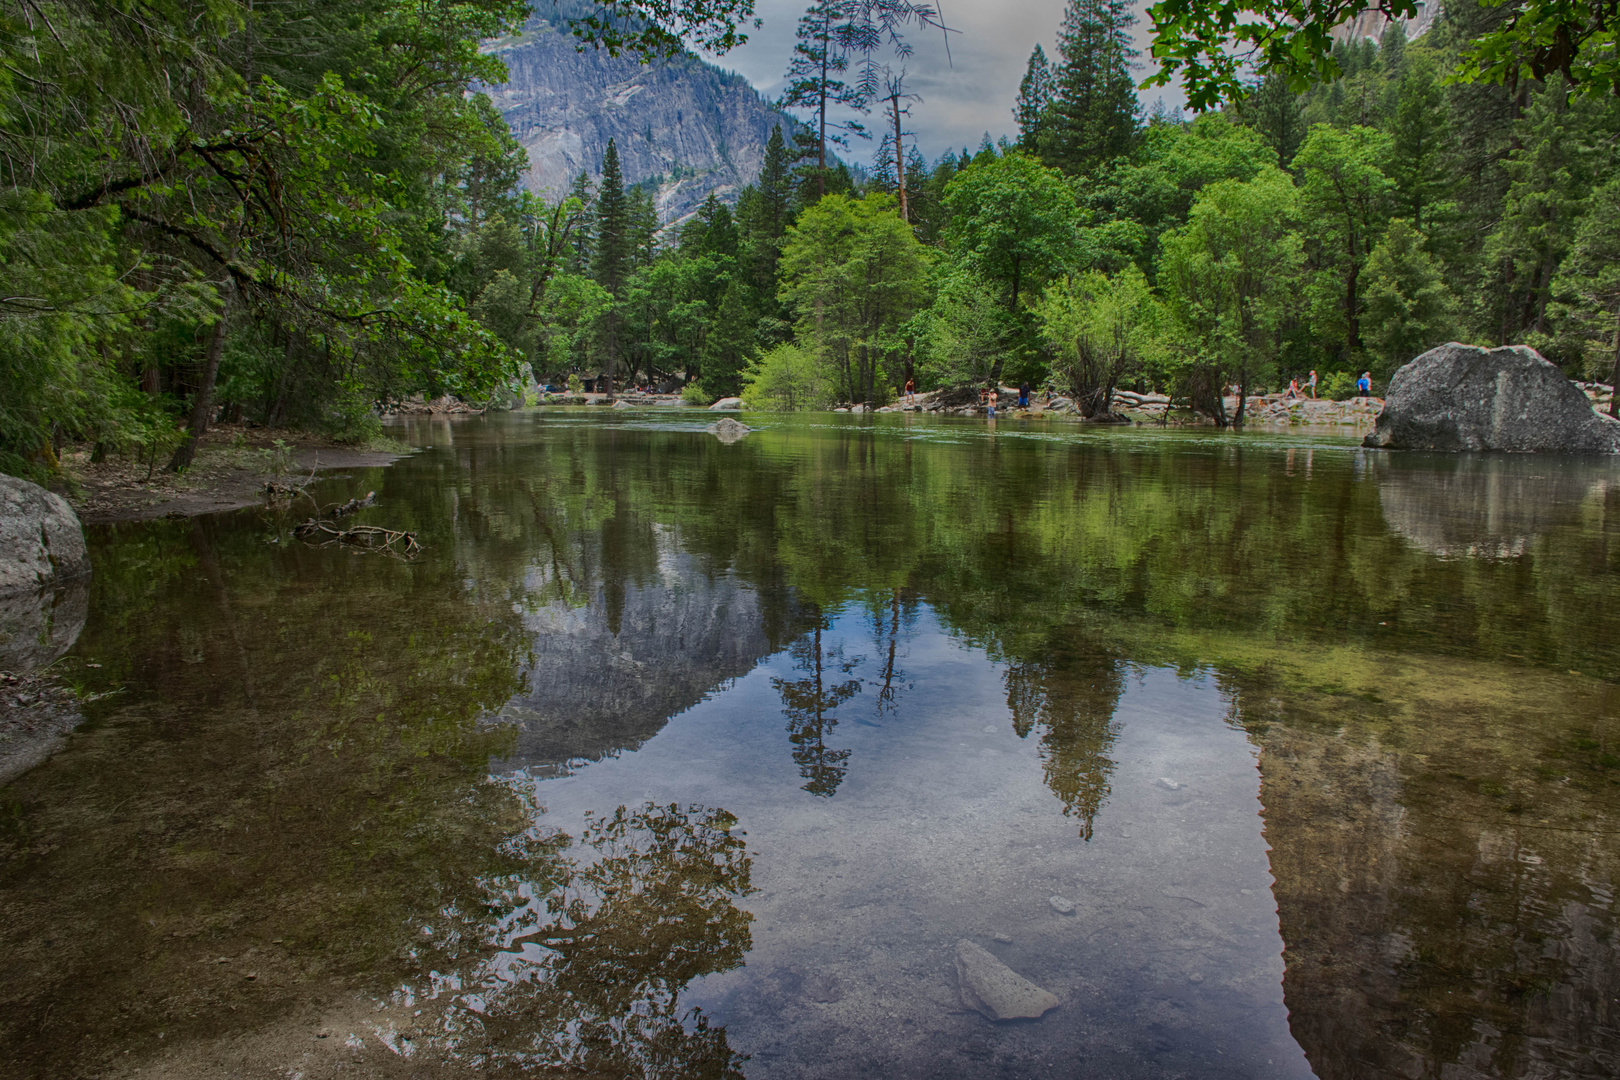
[(202, 406), (899, 159)]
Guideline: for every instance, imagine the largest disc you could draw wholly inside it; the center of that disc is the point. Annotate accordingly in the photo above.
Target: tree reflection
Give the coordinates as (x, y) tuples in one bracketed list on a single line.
[(604, 952), (808, 704), (1071, 695)]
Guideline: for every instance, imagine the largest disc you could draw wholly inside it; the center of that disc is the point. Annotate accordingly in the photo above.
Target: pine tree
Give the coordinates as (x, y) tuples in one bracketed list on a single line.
[(614, 250), (613, 240), (643, 226), (1421, 142), (730, 342), (1273, 110), (582, 243), (814, 85), (1034, 100), (1093, 114), (775, 186)]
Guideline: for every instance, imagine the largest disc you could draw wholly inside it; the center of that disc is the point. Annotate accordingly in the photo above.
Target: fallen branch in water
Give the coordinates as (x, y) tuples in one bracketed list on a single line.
[(393, 542), (353, 506)]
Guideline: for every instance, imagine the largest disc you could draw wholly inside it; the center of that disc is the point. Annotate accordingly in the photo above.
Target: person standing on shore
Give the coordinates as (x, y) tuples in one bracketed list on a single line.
[(1364, 384), (911, 392), (1310, 384), (991, 398), (1023, 396)]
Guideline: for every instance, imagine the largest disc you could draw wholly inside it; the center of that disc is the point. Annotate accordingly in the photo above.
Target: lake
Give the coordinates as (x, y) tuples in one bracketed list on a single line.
[(1264, 755)]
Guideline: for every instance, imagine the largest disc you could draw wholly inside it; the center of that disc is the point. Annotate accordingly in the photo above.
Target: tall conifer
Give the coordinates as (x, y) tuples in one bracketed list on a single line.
[(814, 84), (614, 250), (1034, 99), (1093, 113)]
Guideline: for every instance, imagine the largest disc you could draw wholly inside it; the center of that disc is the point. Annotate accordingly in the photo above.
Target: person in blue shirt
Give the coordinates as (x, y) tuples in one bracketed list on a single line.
[(1364, 384)]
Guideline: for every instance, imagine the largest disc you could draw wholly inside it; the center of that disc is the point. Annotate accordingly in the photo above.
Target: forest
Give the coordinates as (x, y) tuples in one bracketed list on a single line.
[(294, 213)]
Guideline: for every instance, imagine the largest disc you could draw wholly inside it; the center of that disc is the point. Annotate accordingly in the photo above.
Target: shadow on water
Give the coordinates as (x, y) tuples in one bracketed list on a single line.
[(1317, 746)]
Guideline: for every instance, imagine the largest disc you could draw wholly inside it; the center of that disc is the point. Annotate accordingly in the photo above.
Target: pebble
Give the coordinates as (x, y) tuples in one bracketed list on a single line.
[(1001, 938), (1195, 977), (1165, 781), (1061, 905)]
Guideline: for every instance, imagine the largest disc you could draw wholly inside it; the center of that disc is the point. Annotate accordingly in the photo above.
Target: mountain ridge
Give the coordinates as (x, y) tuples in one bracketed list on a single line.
[(684, 127)]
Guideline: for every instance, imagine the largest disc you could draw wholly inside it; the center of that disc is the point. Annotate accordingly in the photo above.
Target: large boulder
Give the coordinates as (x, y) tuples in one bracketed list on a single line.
[(727, 404), (1460, 397), (44, 568)]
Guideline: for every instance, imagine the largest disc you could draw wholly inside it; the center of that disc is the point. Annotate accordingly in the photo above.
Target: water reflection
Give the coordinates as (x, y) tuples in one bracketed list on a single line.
[(595, 959), (1070, 693), (1484, 505), (808, 704), (1237, 708)]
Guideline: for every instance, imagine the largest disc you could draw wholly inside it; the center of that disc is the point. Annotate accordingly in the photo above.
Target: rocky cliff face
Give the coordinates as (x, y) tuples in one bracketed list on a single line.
[(685, 126), (1371, 23)]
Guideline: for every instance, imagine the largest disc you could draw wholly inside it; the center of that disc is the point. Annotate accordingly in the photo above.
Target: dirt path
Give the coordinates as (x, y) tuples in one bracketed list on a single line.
[(233, 464)]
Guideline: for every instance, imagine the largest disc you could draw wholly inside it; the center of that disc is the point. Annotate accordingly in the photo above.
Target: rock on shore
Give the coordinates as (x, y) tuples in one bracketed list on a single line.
[(44, 568), (41, 541), (1461, 397)]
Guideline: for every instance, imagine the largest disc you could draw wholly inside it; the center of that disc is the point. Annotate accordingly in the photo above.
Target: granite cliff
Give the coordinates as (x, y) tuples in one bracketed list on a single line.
[(684, 126), (1371, 23)]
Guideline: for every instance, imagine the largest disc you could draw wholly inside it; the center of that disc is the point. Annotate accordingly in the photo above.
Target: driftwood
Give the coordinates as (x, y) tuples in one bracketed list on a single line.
[(401, 545), (353, 506)]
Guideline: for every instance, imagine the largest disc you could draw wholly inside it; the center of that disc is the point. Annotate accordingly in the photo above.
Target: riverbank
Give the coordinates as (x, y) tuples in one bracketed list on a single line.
[(233, 464)]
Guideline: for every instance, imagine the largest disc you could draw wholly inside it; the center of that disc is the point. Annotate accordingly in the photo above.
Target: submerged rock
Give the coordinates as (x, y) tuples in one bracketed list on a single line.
[(1061, 905), (996, 990), (728, 430), (1460, 397)]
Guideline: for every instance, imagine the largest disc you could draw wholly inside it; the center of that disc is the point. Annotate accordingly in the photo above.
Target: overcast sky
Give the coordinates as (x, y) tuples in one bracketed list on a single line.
[(962, 99)]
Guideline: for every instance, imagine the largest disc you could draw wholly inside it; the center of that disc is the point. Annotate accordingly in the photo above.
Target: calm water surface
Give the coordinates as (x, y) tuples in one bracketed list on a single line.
[(670, 758)]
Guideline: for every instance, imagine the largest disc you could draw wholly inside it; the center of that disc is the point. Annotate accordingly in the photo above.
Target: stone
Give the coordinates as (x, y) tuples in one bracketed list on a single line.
[(1061, 905), (728, 430), (622, 404), (996, 990), (44, 570), (41, 540), (1166, 782), (1461, 397), (727, 404)]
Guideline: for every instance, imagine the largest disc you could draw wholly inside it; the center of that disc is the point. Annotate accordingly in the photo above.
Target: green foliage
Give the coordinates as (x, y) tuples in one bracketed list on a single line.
[(965, 333), (789, 378), (1231, 279), (1339, 386), (1409, 308), (1344, 194), (1016, 224), (1034, 101), (1102, 330), (853, 273), (1092, 115), (1213, 46)]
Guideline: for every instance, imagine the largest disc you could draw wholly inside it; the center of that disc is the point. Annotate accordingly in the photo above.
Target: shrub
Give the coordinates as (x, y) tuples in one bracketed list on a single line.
[(787, 379)]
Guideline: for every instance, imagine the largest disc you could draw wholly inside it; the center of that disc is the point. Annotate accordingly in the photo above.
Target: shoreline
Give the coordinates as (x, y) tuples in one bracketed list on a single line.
[(233, 465)]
